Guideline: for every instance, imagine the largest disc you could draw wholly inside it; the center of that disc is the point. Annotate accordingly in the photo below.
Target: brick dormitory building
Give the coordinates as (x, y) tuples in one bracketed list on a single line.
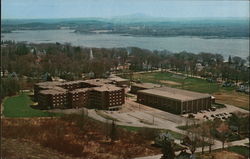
[(95, 93), (172, 100)]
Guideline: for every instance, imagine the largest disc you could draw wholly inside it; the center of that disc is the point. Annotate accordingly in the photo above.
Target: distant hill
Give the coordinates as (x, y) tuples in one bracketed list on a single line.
[(139, 25)]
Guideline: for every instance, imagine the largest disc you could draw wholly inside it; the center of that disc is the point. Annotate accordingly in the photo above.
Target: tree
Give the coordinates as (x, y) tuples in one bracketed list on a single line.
[(219, 59), (210, 136), (113, 132), (203, 135), (192, 138), (9, 86), (236, 60), (166, 141), (223, 131), (230, 59)]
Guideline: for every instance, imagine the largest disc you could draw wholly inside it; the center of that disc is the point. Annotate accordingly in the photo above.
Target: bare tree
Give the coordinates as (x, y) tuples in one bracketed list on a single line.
[(192, 138), (210, 136), (223, 131), (203, 136), (113, 131)]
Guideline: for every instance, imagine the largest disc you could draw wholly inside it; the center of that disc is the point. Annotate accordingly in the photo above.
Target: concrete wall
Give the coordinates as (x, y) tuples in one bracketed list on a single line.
[(172, 105)]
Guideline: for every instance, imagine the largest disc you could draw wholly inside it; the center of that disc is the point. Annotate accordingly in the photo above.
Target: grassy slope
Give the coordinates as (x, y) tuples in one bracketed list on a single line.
[(19, 106), (137, 129)]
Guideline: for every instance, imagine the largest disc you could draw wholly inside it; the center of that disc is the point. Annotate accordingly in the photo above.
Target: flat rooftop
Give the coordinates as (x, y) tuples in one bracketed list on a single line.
[(80, 90), (73, 82), (50, 83), (118, 79), (146, 85), (106, 87), (54, 88), (52, 91), (97, 82), (174, 93)]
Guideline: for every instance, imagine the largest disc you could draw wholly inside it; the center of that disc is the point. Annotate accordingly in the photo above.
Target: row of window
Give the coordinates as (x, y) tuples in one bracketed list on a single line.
[(56, 101), (57, 97), (118, 93), (59, 104), (114, 97), (116, 103)]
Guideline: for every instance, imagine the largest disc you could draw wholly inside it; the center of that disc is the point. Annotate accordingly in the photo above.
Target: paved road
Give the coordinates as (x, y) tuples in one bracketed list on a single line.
[(214, 147)]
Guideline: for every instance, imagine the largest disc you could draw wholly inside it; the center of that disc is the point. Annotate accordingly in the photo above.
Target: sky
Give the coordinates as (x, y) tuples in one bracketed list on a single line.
[(34, 9)]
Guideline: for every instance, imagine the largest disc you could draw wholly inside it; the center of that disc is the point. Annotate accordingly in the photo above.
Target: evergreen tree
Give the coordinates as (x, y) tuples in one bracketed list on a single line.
[(230, 59)]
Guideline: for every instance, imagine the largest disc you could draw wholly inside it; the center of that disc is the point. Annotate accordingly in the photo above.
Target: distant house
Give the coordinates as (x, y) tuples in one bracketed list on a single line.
[(243, 88), (199, 67), (4, 73), (13, 75), (90, 74)]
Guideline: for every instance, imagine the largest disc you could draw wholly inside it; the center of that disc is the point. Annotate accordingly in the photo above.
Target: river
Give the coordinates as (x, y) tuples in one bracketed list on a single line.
[(226, 47)]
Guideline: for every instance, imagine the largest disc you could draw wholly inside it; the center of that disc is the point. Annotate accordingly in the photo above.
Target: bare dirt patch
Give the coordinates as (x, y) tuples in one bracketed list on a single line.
[(233, 98), (170, 82)]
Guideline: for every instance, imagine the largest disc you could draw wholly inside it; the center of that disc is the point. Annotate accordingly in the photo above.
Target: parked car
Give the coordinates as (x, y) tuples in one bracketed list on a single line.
[(213, 108), (228, 84), (191, 115)]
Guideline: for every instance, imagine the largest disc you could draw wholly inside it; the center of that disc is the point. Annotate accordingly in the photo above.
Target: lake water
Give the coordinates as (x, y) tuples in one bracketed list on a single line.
[(226, 47)]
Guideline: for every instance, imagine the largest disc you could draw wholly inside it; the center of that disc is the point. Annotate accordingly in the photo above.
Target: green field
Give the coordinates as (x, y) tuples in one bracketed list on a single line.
[(20, 106), (193, 84)]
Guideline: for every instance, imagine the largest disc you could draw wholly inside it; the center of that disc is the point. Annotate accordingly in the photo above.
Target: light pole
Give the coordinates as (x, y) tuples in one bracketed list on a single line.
[(153, 119)]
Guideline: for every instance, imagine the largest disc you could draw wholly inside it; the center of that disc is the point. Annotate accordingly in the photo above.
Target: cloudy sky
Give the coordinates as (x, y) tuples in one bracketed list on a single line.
[(109, 8)]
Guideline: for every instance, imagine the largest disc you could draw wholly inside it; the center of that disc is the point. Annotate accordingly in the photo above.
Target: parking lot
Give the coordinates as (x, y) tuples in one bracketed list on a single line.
[(222, 113), (135, 114)]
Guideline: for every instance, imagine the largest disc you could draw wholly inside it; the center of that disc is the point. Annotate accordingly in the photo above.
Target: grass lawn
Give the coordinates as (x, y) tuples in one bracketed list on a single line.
[(242, 150), (19, 106)]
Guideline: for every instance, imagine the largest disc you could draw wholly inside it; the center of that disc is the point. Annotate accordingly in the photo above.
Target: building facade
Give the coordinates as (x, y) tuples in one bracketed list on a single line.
[(96, 93), (142, 86), (174, 100)]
